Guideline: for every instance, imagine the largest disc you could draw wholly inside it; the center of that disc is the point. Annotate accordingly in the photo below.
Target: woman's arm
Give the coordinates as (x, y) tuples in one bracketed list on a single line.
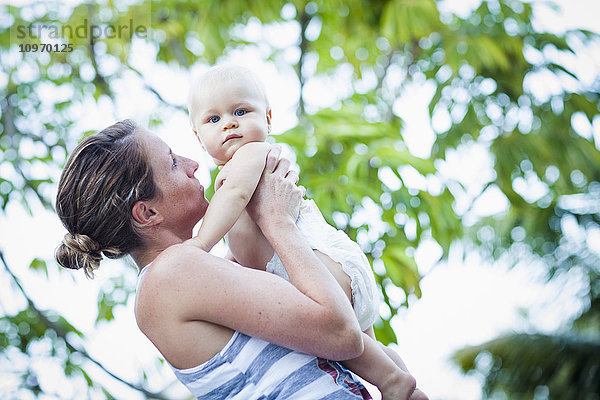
[(192, 285), (313, 315), (265, 208), (244, 171)]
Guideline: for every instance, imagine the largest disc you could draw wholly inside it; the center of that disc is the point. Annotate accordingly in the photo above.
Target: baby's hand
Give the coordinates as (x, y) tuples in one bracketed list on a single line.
[(197, 242)]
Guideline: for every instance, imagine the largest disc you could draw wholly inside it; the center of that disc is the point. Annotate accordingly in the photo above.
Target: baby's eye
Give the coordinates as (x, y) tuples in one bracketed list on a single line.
[(239, 113), (174, 162), (214, 119)]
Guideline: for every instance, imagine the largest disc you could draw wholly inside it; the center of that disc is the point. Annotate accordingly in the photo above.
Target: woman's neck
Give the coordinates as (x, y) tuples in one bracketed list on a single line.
[(146, 254), (144, 257)]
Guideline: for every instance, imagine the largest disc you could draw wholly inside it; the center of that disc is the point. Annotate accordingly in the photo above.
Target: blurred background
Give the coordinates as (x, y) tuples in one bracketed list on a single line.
[(455, 141)]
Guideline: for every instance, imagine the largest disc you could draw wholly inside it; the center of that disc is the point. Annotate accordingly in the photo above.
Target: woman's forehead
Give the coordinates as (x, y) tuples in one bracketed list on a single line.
[(151, 140)]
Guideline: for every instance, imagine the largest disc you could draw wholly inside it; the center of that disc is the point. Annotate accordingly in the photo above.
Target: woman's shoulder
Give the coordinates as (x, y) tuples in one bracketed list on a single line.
[(178, 251), (171, 273), (180, 265), (178, 257)]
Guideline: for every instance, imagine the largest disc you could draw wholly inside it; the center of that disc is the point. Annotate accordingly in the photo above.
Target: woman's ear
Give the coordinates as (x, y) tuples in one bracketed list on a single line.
[(269, 120), (145, 215)]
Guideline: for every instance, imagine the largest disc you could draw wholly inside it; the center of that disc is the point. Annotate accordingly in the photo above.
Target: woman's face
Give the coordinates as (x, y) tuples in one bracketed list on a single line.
[(180, 199)]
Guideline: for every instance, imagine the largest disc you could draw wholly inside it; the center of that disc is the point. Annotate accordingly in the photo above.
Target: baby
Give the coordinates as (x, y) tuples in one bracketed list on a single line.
[(231, 117)]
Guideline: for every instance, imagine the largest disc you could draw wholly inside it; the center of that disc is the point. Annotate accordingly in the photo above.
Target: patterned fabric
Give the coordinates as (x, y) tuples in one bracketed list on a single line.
[(338, 246), (250, 368)]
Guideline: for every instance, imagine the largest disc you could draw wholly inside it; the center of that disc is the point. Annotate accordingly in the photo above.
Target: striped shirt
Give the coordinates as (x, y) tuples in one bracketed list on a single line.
[(250, 368)]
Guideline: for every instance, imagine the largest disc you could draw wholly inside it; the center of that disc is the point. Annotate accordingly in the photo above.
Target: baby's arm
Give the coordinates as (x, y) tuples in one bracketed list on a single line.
[(243, 173)]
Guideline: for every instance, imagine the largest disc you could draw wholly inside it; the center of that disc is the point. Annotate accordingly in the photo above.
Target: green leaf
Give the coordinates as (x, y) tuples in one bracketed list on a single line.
[(39, 265)]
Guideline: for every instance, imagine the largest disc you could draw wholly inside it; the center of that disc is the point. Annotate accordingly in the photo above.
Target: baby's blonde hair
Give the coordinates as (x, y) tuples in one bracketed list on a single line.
[(215, 76)]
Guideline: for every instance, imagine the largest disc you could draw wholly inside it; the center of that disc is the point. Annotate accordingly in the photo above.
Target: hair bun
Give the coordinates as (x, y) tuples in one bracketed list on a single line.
[(81, 243), (79, 251)]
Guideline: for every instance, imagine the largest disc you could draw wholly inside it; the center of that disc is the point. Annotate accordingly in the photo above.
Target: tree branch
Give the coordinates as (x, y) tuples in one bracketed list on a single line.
[(303, 20), (8, 112), (156, 93), (60, 332), (99, 78)]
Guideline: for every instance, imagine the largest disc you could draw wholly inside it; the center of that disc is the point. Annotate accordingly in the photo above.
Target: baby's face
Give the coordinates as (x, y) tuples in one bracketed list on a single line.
[(231, 114)]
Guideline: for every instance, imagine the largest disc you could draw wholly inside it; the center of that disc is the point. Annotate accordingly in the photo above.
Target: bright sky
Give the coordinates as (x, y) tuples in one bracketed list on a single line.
[(464, 302)]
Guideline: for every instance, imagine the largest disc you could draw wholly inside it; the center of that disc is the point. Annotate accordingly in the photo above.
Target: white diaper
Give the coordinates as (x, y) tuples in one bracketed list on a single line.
[(338, 246)]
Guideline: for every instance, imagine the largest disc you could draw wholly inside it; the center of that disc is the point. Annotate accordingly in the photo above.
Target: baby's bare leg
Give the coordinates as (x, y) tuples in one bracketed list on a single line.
[(394, 356), (376, 367), (417, 394)]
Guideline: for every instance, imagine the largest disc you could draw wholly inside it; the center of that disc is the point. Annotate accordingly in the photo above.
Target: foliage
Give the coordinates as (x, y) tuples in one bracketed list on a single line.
[(550, 176), (352, 154), (534, 365)]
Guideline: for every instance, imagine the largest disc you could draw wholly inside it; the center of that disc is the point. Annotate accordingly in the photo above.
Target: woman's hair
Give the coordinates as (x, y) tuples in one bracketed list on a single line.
[(104, 177)]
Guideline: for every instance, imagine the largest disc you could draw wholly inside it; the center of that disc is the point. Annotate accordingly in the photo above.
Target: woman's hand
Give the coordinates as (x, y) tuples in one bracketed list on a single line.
[(276, 199)]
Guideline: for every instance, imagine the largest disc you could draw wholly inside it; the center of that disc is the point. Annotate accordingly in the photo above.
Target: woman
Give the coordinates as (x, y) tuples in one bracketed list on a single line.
[(223, 328)]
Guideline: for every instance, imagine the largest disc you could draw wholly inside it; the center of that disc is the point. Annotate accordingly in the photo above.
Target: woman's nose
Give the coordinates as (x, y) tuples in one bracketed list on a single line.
[(192, 166)]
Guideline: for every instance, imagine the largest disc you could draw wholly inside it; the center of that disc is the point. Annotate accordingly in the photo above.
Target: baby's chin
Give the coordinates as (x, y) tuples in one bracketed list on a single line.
[(220, 163)]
